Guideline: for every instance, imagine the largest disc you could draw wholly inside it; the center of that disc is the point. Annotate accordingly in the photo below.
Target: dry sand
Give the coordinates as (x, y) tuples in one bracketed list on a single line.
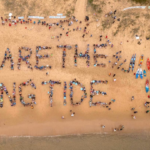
[(44, 120)]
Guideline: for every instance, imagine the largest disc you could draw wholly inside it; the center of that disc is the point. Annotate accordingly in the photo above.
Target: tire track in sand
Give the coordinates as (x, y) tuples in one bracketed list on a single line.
[(80, 9)]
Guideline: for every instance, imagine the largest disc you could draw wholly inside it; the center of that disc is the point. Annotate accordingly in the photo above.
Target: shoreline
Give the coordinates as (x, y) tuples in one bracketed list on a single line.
[(82, 142), (57, 129), (78, 134)]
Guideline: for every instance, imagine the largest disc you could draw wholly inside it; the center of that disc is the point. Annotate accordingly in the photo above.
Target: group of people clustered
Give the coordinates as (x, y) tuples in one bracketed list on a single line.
[(81, 55), (52, 83), (117, 56), (32, 96), (93, 92), (8, 56), (38, 56), (60, 23), (24, 58), (13, 99), (4, 89), (75, 82), (64, 53)]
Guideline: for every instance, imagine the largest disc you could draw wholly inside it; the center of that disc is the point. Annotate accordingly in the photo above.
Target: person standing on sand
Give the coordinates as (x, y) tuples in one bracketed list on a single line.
[(133, 117), (132, 108), (135, 112), (121, 128), (72, 115), (132, 98)]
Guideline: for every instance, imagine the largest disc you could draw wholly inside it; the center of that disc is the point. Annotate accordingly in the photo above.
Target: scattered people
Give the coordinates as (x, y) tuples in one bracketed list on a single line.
[(121, 128)]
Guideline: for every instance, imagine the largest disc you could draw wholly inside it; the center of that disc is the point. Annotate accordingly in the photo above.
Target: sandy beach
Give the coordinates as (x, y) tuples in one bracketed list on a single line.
[(44, 120)]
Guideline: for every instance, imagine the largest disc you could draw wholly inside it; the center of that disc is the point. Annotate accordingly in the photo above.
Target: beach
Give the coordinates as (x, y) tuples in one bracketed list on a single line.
[(44, 120)]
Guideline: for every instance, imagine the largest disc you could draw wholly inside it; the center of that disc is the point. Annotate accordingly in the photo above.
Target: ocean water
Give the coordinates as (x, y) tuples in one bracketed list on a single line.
[(78, 142)]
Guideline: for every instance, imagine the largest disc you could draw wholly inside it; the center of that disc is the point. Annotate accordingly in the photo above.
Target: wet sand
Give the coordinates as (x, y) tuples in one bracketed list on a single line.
[(82, 142)]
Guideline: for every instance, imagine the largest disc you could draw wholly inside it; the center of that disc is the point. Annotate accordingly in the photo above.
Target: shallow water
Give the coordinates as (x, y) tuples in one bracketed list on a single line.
[(82, 142)]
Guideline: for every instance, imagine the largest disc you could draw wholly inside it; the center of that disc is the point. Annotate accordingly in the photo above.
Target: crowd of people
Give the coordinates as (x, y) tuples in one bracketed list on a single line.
[(76, 55), (32, 96), (94, 92), (60, 23), (112, 15), (38, 56), (81, 55), (65, 88), (75, 82), (24, 58), (65, 46), (100, 45), (95, 56), (104, 45), (64, 52), (117, 56), (63, 58), (51, 82), (121, 64), (42, 67), (8, 56), (4, 89)]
